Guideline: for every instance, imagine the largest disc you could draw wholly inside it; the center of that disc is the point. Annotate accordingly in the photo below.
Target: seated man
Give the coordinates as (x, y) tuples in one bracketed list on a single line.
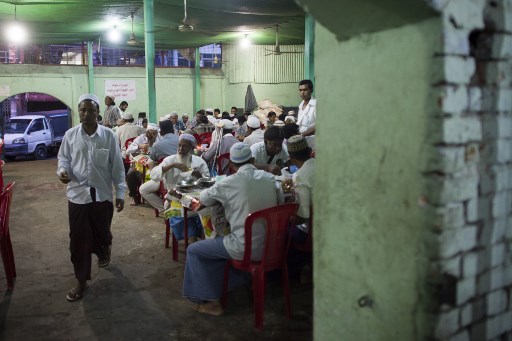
[(271, 155), (167, 145), (127, 131), (242, 193), (255, 134), (302, 183), (177, 167), (141, 143), (220, 146)]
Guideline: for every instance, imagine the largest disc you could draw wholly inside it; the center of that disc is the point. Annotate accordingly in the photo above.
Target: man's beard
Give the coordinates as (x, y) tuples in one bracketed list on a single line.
[(185, 159)]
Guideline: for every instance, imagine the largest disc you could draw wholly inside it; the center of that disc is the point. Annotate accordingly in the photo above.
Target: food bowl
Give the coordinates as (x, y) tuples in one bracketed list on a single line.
[(207, 181), (187, 183)]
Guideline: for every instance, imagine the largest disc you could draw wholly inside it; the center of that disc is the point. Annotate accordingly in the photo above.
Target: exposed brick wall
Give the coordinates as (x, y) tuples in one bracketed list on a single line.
[(470, 172)]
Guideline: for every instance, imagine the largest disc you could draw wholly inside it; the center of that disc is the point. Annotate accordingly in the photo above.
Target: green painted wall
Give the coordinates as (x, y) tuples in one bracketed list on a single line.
[(174, 87), (373, 108)]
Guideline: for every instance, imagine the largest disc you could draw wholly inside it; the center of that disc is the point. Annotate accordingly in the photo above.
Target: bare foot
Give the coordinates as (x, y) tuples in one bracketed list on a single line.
[(211, 308)]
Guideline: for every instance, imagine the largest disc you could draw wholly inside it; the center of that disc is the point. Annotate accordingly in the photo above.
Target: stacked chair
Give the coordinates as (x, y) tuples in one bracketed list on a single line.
[(5, 237)]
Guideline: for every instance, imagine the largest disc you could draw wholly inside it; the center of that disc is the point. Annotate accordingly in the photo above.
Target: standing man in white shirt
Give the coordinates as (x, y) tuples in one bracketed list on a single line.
[(112, 113), (307, 112), (90, 163)]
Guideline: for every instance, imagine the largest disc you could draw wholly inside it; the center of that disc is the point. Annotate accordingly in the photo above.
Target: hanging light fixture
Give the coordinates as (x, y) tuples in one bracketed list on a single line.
[(15, 32), (245, 42), (114, 35)]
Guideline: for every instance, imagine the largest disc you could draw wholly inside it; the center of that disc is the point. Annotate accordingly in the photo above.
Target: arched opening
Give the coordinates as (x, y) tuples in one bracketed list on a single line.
[(33, 125)]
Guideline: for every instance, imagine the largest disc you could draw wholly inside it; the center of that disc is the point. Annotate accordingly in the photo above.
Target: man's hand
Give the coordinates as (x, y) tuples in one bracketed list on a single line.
[(196, 173), (287, 185), (274, 169), (119, 204), (64, 177), (181, 167)]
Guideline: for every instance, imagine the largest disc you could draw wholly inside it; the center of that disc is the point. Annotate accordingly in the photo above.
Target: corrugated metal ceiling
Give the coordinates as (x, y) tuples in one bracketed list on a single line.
[(224, 21)]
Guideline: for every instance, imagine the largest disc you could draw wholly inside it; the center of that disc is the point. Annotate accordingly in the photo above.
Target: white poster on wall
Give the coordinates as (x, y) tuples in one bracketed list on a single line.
[(122, 90), (5, 90)]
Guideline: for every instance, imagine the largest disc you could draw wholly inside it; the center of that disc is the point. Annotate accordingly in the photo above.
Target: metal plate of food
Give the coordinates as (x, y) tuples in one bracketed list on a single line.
[(207, 181), (187, 183)]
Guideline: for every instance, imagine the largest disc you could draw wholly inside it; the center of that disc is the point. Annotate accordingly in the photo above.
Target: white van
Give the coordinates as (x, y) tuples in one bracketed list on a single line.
[(30, 134)]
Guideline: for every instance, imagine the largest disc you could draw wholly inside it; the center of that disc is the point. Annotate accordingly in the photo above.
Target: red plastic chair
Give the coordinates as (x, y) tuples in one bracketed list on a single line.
[(127, 160), (277, 241), (205, 138), (5, 237), (224, 166), (2, 163)]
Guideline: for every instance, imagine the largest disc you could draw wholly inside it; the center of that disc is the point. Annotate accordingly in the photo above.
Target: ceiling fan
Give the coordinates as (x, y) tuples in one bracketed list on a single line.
[(276, 51), (133, 40), (186, 26)]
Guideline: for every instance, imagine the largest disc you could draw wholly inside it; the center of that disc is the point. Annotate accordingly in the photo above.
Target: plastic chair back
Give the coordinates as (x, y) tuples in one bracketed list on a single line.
[(277, 220), (223, 165), (127, 160), (2, 163), (277, 240), (5, 237), (205, 138)]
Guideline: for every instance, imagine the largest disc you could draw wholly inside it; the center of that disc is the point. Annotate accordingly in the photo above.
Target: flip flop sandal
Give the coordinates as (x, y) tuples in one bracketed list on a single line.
[(75, 295)]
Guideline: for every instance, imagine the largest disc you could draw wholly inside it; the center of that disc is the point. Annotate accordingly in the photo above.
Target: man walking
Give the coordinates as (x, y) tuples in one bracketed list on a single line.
[(90, 163)]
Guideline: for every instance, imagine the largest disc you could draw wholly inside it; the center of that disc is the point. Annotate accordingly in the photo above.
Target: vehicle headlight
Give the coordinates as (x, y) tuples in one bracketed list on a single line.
[(19, 140)]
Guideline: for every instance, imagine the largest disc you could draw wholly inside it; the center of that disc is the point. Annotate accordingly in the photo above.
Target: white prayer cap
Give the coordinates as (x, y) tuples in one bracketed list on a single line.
[(112, 97), (290, 118), (152, 126), (190, 138), (167, 116), (231, 115), (184, 115), (253, 122), (90, 97), (127, 116), (163, 118), (240, 152), (209, 110), (211, 119), (173, 114), (279, 123), (226, 124)]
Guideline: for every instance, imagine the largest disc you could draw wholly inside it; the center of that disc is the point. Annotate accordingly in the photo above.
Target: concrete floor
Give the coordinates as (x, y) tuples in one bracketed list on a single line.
[(137, 297)]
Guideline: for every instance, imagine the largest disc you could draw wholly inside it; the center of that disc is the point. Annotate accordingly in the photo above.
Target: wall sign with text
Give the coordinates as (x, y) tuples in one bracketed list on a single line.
[(123, 90)]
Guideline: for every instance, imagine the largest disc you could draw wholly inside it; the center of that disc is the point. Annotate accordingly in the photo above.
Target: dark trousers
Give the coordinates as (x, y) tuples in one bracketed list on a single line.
[(89, 232), (133, 181)]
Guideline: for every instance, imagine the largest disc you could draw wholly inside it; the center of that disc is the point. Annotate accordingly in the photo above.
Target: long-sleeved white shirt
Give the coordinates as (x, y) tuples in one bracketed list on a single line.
[(125, 132), (248, 190), (91, 161), (255, 137)]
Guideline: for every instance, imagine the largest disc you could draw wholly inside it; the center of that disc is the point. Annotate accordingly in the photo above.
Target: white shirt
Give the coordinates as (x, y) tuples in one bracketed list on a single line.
[(173, 175), (91, 161), (303, 187), (125, 132), (248, 190), (255, 137), (259, 152), (307, 116), (141, 139)]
